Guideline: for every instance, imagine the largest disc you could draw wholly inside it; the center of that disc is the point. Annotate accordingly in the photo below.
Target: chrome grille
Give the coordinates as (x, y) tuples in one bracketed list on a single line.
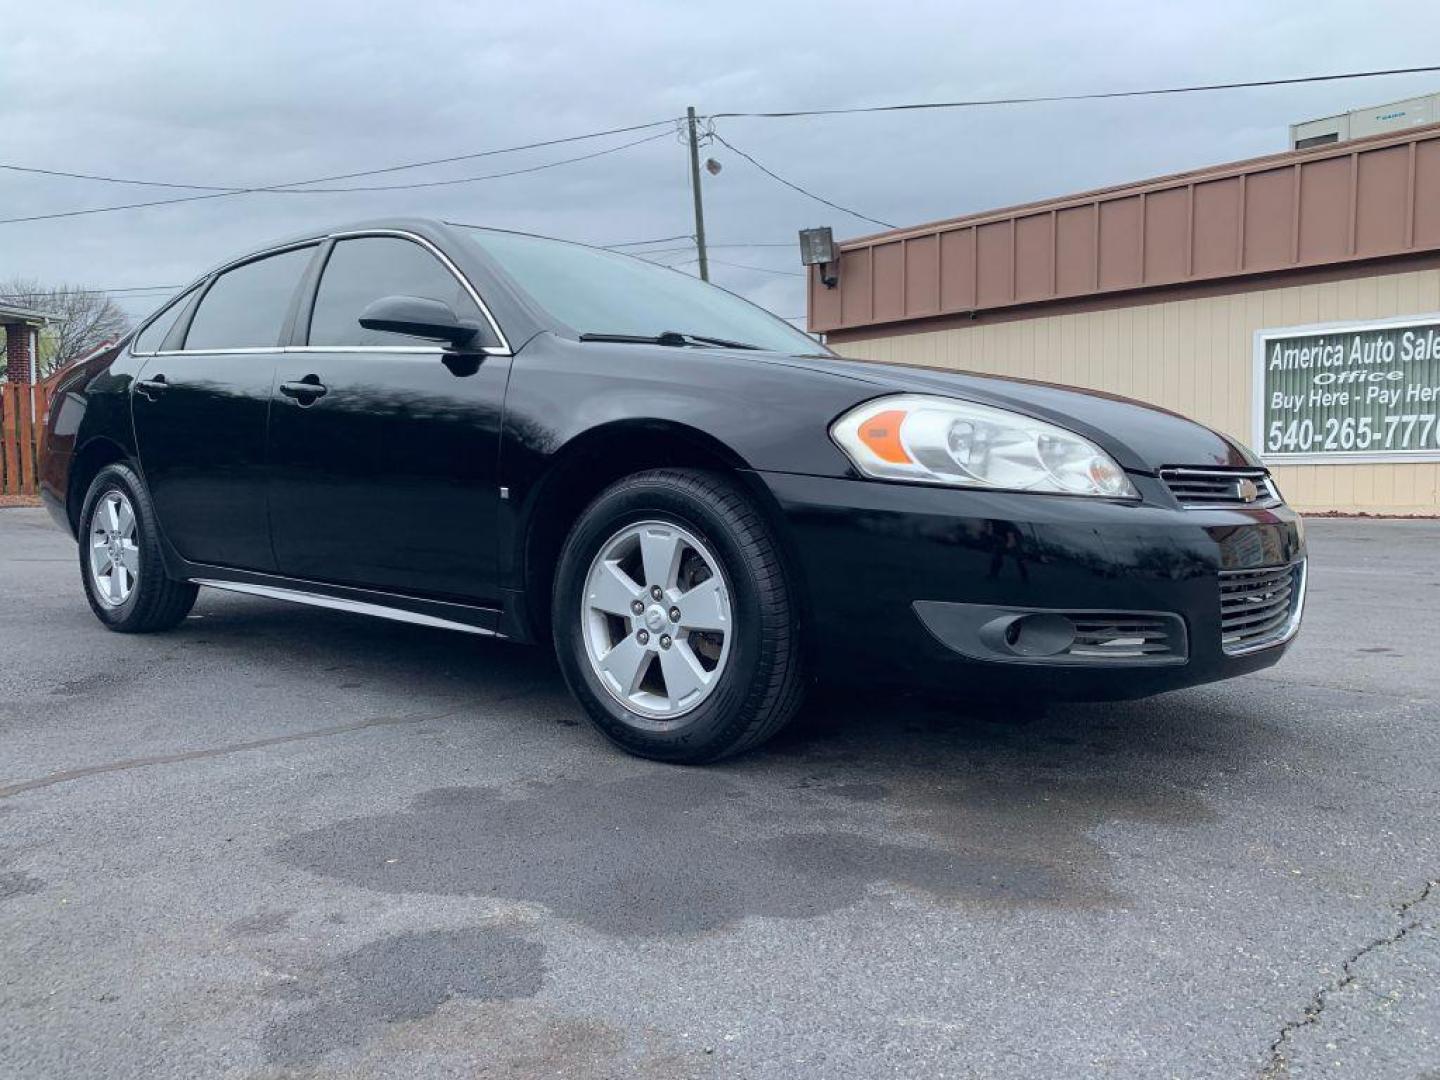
[(1260, 607), (1197, 489), (1100, 636)]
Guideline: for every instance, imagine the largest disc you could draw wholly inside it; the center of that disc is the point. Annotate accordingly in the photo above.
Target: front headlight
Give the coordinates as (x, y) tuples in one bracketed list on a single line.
[(937, 440)]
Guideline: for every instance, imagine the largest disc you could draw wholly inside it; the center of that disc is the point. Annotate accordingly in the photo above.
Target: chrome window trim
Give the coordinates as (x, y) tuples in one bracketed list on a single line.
[(265, 253), (217, 352), (207, 283), (503, 349), (155, 316), (426, 350), (336, 603)]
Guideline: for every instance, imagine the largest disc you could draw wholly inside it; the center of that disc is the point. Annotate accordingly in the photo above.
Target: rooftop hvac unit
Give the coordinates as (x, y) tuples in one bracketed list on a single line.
[(1375, 120)]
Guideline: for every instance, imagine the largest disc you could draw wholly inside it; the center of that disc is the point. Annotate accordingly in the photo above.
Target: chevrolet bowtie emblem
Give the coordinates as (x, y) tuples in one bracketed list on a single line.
[(1246, 490)]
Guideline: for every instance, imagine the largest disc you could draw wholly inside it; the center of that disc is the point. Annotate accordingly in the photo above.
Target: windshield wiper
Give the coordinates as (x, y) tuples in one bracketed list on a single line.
[(670, 337)]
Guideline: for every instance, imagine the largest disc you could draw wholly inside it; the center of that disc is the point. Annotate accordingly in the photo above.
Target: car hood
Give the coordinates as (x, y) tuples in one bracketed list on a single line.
[(1140, 437)]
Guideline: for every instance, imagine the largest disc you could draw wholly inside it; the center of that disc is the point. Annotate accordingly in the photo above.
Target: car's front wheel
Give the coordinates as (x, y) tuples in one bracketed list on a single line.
[(673, 618), (120, 560)]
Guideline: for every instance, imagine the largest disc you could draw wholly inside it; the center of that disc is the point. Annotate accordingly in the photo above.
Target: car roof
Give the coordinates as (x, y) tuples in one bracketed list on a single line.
[(425, 226)]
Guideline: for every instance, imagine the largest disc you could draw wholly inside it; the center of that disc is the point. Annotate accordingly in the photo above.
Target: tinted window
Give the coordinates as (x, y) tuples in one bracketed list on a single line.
[(246, 307), (153, 336), (361, 271), (602, 292)]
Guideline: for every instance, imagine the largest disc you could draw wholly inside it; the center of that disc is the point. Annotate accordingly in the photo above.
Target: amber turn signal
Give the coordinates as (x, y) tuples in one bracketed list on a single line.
[(881, 433)]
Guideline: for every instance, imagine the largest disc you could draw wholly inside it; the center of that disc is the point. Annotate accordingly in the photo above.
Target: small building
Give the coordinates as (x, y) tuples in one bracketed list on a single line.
[(22, 328), (1292, 301)]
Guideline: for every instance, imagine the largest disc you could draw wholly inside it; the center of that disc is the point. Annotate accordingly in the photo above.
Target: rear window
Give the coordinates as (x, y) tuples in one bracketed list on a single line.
[(246, 307)]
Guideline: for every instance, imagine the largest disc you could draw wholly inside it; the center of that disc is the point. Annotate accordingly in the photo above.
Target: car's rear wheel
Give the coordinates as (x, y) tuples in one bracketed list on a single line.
[(673, 619), (120, 561)]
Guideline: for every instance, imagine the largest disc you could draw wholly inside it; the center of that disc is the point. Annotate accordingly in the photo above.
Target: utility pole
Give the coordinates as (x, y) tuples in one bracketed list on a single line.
[(695, 188)]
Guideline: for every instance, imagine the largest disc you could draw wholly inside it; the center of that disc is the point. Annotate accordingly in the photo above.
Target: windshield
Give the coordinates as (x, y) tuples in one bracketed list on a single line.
[(600, 292)]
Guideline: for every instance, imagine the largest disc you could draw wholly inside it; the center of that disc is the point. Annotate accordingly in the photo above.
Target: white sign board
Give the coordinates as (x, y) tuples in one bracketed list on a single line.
[(1349, 392)]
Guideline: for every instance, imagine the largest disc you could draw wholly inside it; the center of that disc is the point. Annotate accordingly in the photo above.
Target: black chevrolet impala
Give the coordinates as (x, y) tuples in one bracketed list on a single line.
[(703, 508)]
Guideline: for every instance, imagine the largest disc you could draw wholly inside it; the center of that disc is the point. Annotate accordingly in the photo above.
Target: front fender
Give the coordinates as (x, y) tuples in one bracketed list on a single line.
[(768, 417)]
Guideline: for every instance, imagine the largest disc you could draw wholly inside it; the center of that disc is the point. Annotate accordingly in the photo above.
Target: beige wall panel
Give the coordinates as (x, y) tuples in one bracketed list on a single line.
[(1194, 356)]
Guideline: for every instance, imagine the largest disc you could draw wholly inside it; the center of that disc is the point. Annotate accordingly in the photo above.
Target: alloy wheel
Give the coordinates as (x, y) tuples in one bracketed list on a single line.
[(656, 619), (114, 553)]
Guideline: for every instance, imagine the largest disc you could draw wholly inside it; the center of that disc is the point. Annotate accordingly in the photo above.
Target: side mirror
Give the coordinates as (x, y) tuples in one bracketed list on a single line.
[(419, 317)]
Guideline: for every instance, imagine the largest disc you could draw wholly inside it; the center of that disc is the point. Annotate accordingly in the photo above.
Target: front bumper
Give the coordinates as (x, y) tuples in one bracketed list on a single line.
[(868, 551)]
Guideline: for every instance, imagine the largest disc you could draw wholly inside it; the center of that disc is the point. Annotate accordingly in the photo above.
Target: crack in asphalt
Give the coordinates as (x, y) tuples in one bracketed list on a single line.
[(1277, 1065), (233, 748), (1365, 690)]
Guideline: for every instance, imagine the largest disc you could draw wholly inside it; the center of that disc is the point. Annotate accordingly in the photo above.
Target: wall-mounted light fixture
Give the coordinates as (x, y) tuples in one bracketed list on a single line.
[(817, 248)]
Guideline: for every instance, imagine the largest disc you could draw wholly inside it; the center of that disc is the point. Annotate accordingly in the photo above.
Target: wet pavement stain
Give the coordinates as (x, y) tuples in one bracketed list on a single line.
[(400, 979), (14, 883), (88, 684), (959, 809), (261, 924), (859, 792), (516, 1039), (670, 852)]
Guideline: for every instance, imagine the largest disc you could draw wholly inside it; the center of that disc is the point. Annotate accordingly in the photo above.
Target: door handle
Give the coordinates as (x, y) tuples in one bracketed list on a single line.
[(306, 391), (151, 388)]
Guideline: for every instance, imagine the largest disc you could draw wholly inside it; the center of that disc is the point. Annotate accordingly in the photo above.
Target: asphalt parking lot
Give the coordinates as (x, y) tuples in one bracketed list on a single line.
[(287, 842)]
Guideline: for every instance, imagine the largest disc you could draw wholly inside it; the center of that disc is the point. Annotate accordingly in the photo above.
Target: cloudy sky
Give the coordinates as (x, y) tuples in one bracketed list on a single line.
[(270, 92)]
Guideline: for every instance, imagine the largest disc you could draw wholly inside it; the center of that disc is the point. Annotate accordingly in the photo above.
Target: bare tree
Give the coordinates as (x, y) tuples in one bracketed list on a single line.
[(86, 319)]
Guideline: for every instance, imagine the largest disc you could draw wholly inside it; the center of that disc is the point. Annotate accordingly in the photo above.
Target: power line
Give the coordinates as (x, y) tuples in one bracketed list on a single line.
[(339, 176), (660, 251), (691, 246), (122, 206), (796, 187), (110, 179), (287, 188), (762, 269), (640, 243), (661, 262), (473, 179), (1096, 96), (134, 293), (327, 191)]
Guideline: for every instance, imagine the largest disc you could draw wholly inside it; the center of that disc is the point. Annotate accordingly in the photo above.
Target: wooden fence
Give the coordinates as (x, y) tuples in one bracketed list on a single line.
[(22, 432)]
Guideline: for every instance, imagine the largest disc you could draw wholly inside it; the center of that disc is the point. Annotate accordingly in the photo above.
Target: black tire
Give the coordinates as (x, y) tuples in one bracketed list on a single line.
[(155, 602), (762, 683)]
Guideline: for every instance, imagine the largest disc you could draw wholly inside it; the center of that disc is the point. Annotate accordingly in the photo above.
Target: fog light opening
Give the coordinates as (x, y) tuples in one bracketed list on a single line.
[(1039, 635)]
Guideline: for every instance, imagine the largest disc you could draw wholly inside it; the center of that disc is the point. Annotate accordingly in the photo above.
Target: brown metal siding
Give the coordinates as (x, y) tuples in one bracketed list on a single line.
[(888, 272), (922, 275), (1074, 250), (995, 263), (957, 270), (1324, 233), (1426, 200), (1215, 232), (1360, 200), (1166, 236)]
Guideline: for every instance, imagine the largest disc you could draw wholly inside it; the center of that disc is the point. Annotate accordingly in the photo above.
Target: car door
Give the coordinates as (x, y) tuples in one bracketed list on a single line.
[(383, 447), (200, 403)]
